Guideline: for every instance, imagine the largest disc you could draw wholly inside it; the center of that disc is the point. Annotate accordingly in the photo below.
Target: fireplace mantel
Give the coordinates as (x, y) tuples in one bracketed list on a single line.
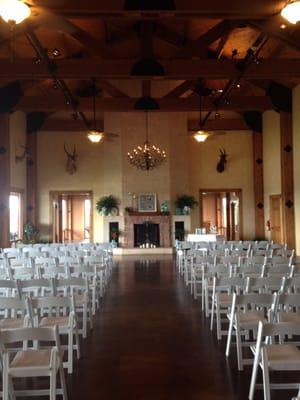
[(162, 219), (146, 214)]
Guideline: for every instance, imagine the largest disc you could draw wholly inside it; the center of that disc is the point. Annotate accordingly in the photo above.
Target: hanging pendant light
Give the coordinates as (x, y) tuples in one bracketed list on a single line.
[(291, 12), (201, 135), (94, 135), (146, 156), (14, 11)]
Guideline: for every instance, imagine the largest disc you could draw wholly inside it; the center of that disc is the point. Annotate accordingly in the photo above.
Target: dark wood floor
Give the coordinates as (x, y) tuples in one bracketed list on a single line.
[(150, 341)]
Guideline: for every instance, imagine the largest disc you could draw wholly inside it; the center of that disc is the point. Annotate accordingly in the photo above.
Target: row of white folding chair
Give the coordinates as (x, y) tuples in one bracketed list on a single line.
[(79, 287), (248, 309), (44, 312), (223, 289)]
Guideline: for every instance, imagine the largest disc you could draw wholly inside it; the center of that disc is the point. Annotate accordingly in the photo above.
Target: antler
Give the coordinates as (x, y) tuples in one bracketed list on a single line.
[(74, 151), (66, 151)]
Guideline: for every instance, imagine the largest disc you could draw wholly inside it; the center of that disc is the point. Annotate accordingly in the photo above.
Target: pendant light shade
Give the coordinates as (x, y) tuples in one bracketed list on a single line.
[(201, 136), (14, 11), (291, 12), (94, 135)]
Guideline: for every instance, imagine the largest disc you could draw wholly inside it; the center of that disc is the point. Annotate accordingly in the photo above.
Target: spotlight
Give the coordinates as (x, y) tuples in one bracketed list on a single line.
[(282, 26), (220, 90), (217, 115), (238, 85), (257, 60), (36, 60), (55, 86), (56, 52), (227, 100)]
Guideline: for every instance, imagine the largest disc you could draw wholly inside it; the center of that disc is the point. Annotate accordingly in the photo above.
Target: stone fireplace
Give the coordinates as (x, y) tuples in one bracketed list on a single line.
[(140, 226)]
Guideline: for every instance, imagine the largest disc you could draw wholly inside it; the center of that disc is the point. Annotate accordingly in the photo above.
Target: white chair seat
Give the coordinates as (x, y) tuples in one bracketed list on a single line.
[(251, 318), (225, 299), (11, 323), (52, 321), (289, 317), (284, 356), (31, 358)]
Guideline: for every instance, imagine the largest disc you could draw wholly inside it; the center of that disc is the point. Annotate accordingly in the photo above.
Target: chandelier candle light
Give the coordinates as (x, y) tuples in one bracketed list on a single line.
[(146, 156)]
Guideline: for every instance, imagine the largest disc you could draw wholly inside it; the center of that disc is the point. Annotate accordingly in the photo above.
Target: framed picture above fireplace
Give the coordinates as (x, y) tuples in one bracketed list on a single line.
[(147, 202)]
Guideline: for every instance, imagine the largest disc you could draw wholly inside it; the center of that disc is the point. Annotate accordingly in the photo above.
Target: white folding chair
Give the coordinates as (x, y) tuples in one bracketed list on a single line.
[(32, 362), (13, 313), (246, 311), (79, 288), (53, 310), (270, 355)]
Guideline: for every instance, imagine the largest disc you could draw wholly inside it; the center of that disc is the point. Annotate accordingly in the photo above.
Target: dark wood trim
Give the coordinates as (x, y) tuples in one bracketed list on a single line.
[(32, 185), (258, 185), (287, 178), (4, 180)]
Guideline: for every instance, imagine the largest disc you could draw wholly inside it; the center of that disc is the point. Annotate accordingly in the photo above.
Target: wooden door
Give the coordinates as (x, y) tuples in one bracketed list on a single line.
[(276, 218), (77, 218)]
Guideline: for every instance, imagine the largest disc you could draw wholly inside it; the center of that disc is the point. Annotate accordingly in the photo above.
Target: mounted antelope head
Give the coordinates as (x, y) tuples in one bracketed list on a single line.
[(71, 166), (22, 156), (222, 161)]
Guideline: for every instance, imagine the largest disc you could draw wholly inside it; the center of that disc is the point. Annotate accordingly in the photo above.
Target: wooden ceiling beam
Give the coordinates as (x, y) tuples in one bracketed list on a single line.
[(180, 89), (289, 36), (70, 125), (184, 9), (169, 36), (177, 69), (54, 104), (198, 47), (111, 89)]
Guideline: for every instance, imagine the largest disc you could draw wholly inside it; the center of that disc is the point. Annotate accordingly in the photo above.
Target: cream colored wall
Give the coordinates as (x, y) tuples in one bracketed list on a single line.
[(17, 127), (271, 159), (296, 138), (238, 174)]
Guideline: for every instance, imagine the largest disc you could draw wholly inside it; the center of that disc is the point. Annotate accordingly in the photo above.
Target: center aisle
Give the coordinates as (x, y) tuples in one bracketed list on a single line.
[(150, 341)]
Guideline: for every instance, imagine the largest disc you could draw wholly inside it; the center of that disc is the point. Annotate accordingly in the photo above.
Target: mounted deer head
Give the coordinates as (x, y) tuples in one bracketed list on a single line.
[(71, 166), (22, 156), (222, 162)]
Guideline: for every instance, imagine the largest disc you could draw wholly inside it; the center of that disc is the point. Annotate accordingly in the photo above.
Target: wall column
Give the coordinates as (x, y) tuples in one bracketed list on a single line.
[(258, 181), (4, 180), (287, 178), (32, 211)]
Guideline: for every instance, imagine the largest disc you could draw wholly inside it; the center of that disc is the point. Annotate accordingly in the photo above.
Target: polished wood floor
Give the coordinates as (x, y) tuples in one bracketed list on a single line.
[(150, 341)]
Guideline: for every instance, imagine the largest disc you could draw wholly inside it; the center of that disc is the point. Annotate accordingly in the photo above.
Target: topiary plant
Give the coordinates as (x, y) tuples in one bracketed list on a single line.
[(106, 204)]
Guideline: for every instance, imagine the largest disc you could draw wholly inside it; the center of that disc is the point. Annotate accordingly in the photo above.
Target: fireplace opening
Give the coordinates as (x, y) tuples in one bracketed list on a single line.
[(146, 235)]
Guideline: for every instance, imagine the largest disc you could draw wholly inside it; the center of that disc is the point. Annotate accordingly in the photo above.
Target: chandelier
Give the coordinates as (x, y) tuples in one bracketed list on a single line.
[(291, 12), (14, 11), (146, 156)]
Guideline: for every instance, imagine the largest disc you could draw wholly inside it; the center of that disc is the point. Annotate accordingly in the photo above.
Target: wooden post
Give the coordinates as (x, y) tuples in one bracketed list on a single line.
[(258, 182), (287, 179), (31, 215), (4, 180)]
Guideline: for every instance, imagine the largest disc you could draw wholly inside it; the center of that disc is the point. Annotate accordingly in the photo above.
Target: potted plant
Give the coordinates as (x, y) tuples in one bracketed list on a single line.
[(185, 203), (106, 205), (30, 233)]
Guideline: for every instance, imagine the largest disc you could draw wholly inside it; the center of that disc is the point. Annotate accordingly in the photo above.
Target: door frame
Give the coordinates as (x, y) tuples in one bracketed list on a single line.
[(228, 190), (277, 196), (54, 194)]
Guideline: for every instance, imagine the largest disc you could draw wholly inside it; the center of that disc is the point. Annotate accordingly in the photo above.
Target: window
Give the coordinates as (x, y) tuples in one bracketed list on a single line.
[(87, 219), (15, 216)]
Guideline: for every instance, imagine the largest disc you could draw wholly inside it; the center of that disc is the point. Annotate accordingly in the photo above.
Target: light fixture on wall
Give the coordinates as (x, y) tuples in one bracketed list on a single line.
[(291, 12), (14, 11), (94, 135), (146, 156), (201, 135)]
